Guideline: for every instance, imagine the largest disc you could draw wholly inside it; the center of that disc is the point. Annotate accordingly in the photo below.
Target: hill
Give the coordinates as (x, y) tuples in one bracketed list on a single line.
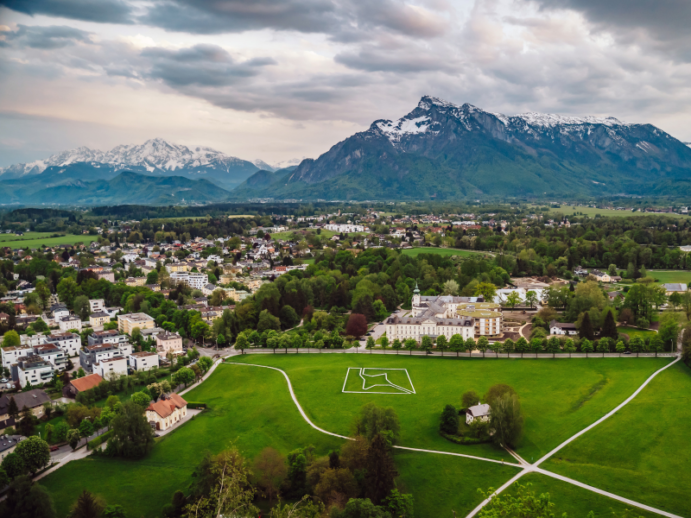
[(445, 151)]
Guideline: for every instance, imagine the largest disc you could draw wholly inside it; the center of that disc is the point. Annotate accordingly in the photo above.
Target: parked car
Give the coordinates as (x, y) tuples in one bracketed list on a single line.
[(55, 447)]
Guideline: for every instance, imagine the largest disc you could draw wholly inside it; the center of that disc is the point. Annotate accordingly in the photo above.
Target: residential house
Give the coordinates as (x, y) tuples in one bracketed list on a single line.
[(11, 355), (70, 322), (559, 328), (480, 412), (98, 319), (126, 323), (601, 276), (676, 287), (96, 305), (111, 367), (32, 369), (168, 343), (33, 399), (167, 411), (74, 387), (196, 281), (70, 343), (91, 355), (143, 361)]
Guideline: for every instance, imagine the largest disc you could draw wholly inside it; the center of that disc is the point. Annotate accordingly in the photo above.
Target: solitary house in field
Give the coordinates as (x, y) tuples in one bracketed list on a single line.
[(480, 412), (166, 411)]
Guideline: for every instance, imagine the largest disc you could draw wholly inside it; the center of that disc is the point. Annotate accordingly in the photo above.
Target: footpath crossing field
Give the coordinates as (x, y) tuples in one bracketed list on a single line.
[(252, 407)]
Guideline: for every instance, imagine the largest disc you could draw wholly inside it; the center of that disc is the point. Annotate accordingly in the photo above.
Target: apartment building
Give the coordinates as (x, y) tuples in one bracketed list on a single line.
[(70, 322), (168, 343), (70, 343), (126, 323), (196, 281), (111, 367), (91, 355), (143, 361)]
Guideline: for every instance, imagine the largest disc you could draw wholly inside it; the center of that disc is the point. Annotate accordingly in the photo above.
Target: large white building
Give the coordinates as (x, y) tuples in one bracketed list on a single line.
[(345, 228), (70, 322), (111, 367), (70, 343), (433, 317), (196, 281)]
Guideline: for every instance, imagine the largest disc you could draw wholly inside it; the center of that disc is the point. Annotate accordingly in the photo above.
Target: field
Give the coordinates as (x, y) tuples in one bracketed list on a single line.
[(634, 331), (569, 210), (559, 397), (38, 239), (642, 452), (323, 233), (670, 276), (252, 408), (414, 252)]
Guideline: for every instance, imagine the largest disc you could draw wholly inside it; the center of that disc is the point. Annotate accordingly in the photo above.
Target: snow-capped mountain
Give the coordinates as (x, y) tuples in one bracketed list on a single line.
[(263, 165), (288, 163), (152, 155), (442, 150)]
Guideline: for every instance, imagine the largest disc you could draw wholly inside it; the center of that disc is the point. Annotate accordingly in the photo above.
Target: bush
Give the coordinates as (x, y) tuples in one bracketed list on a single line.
[(643, 323), (195, 404), (95, 443), (449, 420)]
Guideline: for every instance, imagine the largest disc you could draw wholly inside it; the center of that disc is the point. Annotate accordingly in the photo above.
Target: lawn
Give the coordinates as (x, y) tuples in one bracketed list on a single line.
[(559, 397), (575, 501), (634, 331), (414, 252), (671, 276), (642, 452), (34, 240), (569, 210), (251, 411), (27, 235)]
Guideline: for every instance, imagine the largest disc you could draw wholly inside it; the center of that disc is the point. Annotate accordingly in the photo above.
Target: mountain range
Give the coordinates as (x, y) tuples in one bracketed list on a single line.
[(441, 150)]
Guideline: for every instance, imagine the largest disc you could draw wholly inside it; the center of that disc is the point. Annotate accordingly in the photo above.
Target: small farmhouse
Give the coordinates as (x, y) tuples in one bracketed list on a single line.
[(480, 412), (167, 411)]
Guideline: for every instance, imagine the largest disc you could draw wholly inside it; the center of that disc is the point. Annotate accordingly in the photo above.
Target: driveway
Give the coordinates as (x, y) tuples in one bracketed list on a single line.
[(379, 329)]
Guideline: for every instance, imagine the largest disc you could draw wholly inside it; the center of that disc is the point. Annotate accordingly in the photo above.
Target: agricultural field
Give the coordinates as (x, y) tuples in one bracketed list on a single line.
[(35, 240), (670, 276), (251, 407), (414, 252), (642, 452), (569, 210)]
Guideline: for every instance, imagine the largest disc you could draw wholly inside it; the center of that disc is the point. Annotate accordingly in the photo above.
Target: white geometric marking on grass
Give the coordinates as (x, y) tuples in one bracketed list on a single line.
[(370, 378)]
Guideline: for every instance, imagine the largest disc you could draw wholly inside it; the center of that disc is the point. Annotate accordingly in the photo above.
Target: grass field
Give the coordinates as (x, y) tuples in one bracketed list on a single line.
[(246, 409), (634, 331), (324, 233), (559, 398), (642, 452), (577, 502), (414, 252), (671, 276), (35, 240), (569, 210)]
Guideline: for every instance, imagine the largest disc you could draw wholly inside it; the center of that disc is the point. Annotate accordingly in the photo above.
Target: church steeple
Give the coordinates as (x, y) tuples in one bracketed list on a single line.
[(416, 291)]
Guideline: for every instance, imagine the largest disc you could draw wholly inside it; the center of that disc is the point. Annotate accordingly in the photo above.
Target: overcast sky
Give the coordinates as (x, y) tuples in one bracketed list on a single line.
[(287, 79)]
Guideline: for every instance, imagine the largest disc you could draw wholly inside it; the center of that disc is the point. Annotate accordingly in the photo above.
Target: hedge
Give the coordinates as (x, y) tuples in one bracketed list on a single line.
[(195, 404), (459, 439), (95, 443)]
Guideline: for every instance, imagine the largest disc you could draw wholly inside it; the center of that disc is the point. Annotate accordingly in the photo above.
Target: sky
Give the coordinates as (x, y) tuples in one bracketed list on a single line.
[(278, 80)]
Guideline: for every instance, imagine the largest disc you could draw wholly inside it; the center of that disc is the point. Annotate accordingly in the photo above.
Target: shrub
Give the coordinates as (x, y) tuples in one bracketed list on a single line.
[(449, 420), (643, 323), (195, 404), (95, 443)]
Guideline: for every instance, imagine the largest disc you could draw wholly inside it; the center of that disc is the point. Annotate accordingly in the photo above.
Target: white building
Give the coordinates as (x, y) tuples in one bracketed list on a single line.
[(196, 281), (345, 228), (559, 328), (32, 369), (96, 305), (480, 412), (70, 322), (143, 361), (112, 367), (11, 355), (70, 343)]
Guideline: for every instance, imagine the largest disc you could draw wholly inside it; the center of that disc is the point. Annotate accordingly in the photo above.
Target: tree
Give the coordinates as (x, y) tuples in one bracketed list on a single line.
[(81, 307), (28, 500), (520, 502), (470, 345), (357, 325), (506, 419), (361, 508), (13, 465), (552, 345), (73, 438), (183, 376), (87, 505), (380, 472), (132, 436), (396, 345), (497, 391), (487, 290), (536, 345), (586, 346), (522, 346), (289, 318), (456, 344), (270, 471), (410, 345), (483, 345), (509, 346), (656, 344), (11, 339), (384, 341), (512, 299), (586, 329), (374, 420), (27, 426), (13, 410), (675, 299), (531, 298), (35, 453), (241, 342), (426, 344), (442, 344), (450, 288), (336, 485), (370, 344), (636, 345), (609, 328), (449, 420), (205, 363), (669, 330), (620, 347), (86, 428), (200, 330), (399, 504), (297, 474), (141, 399), (603, 346), (569, 347), (470, 398), (155, 390), (268, 321)]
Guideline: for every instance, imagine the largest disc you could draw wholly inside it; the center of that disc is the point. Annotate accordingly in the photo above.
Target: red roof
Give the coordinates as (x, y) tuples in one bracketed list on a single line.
[(165, 407), (87, 382)]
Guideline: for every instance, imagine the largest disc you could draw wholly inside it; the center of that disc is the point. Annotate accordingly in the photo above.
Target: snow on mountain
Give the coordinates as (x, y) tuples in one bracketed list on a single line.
[(288, 163), (153, 154), (263, 165)]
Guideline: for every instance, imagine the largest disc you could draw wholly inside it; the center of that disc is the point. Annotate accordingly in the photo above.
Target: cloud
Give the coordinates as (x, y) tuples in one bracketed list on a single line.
[(104, 11), (201, 65), (51, 37)]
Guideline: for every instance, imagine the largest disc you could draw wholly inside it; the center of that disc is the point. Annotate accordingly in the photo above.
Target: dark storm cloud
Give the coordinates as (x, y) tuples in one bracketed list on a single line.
[(201, 65), (51, 37), (105, 11)]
